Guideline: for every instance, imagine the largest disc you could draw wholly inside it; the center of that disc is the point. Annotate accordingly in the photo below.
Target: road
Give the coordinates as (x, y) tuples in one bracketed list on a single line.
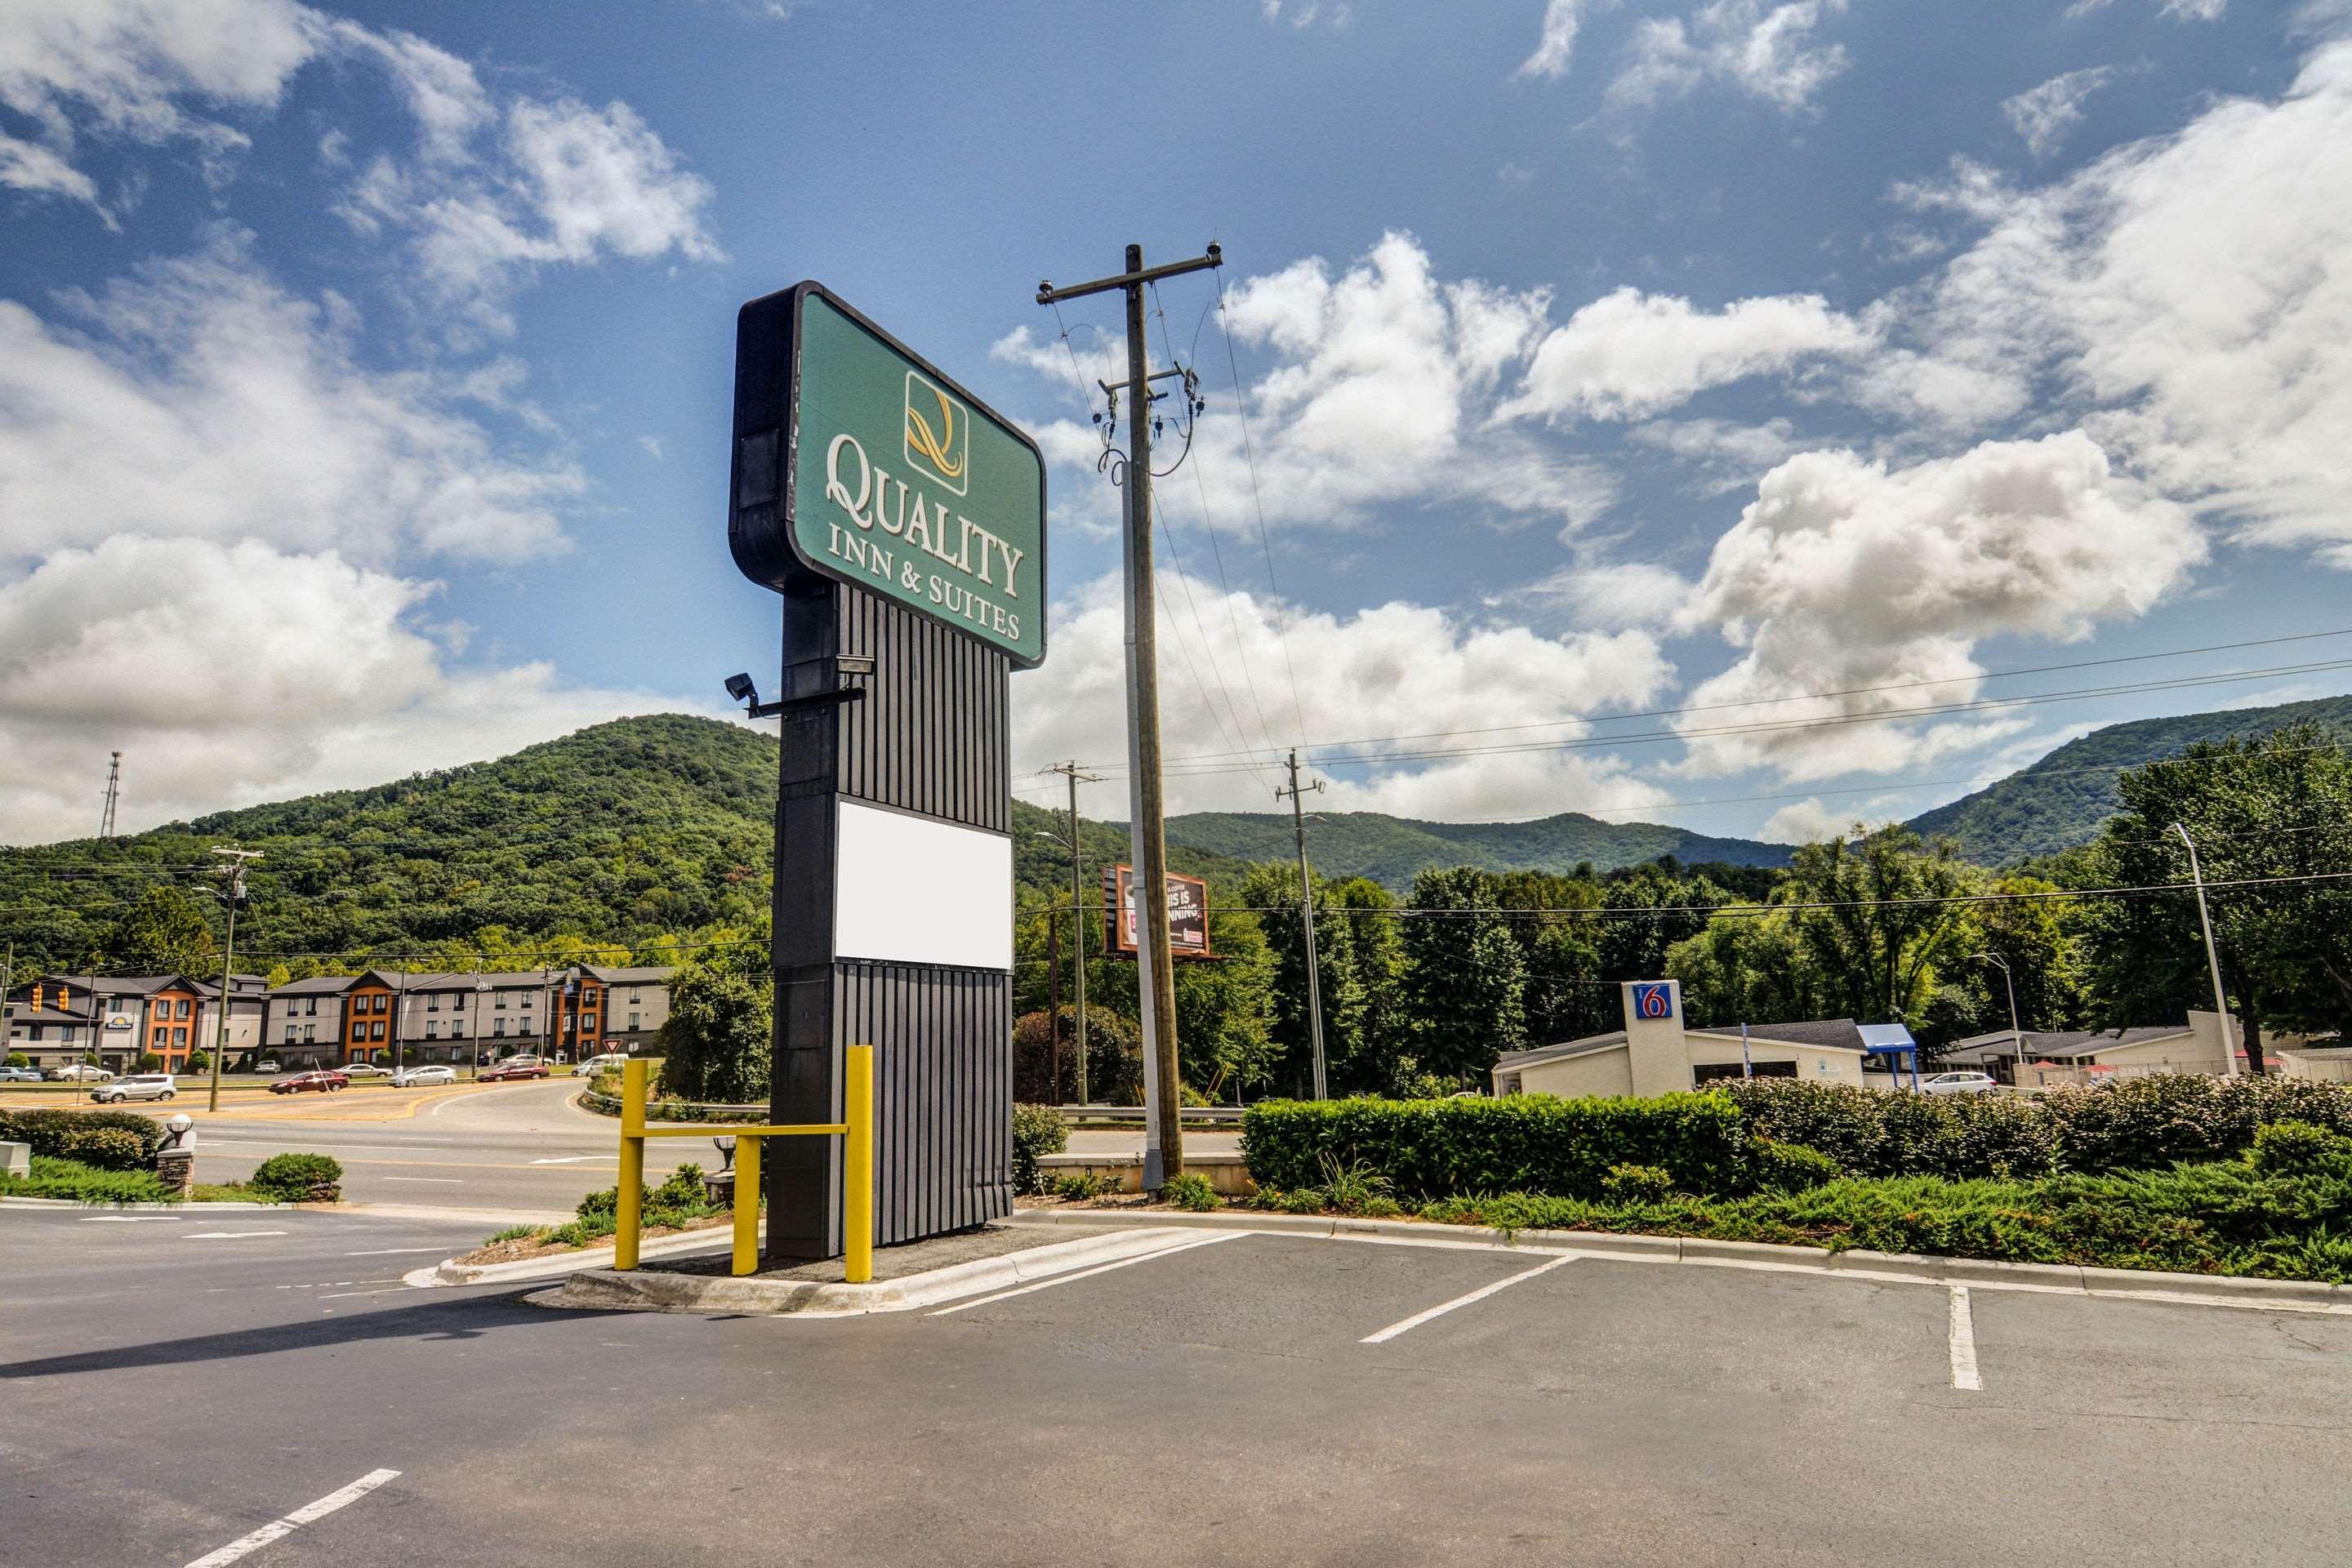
[(1254, 1399), (507, 1152)]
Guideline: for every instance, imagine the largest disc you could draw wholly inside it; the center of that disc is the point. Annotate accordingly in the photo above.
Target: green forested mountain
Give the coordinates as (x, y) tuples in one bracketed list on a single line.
[(2060, 801), (1391, 850)]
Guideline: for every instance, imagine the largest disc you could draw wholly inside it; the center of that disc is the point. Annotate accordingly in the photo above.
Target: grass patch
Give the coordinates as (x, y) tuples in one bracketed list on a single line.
[(52, 1177)]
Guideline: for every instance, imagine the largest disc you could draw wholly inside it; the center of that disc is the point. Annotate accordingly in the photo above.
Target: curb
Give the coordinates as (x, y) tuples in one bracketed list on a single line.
[(189, 1207), (449, 1271), (610, 1290), (1893, 1267)]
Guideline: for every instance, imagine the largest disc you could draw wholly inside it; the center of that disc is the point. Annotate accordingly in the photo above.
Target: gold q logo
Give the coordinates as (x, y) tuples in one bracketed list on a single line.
[(939, 434)]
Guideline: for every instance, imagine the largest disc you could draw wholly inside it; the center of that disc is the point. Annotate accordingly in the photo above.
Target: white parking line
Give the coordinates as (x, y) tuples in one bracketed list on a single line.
[(393, 1251), (1964, 1343), (437, 1181), (308, 1513), (573, 1159), (226, 1235), (1090, 1273), (1480, 1294), (339, 1294)]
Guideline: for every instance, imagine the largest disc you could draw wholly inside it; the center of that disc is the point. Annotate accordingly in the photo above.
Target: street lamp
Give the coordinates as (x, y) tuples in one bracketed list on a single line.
[(2212, 958), (2016, 1036), (481, 989)]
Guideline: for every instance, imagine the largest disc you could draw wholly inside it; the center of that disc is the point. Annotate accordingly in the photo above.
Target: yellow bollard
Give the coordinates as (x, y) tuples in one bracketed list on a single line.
[(628, 1213), (747, 1204), (858, 1168)]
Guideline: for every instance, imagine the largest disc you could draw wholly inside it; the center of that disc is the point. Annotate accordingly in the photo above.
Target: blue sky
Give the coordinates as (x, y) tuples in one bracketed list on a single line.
[(364, 376)]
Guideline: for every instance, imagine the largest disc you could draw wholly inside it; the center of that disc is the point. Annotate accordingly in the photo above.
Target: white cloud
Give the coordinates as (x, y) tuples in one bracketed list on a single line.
[(1767, 53), (1729, 456), (198, 397), (2045, 115), (1845, 575), (1630, 354), (2183, 297), (1382, 392), (1393, 669), (1611, 595), (1803, 822), (138, 70), (1557, 44), (2178, 10), (229, 673)]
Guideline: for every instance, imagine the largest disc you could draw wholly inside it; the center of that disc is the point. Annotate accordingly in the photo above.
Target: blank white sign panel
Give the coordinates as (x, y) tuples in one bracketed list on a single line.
[(908, 890)]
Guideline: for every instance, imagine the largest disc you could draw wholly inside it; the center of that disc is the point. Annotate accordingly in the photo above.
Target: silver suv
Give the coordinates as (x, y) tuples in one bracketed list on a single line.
[(138, 1086)]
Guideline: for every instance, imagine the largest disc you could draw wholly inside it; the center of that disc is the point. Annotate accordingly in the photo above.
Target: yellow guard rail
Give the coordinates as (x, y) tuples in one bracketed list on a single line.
[(856, 1134)]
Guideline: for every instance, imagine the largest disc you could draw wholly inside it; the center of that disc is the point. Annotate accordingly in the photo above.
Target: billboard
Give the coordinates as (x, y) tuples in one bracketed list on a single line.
[(1188, 914), (858, 460)]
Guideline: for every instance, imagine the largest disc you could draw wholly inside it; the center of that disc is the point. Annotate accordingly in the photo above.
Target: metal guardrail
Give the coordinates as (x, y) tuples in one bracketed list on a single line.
[(1202, 1115), (855, 1131)]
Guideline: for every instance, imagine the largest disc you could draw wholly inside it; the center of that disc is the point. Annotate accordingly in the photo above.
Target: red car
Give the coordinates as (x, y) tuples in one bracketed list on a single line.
[(504, 1071), (324, 1080)]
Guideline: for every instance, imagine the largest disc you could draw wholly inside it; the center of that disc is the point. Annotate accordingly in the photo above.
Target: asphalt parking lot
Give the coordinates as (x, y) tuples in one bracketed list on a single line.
[(1252, 1398)]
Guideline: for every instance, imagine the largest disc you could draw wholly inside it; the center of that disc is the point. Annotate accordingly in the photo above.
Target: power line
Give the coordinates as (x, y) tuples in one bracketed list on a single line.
[(1257, 501)]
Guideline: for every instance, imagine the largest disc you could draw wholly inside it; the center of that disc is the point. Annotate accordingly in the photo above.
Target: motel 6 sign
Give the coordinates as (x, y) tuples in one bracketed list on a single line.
[(888, 476), (1653, 999)]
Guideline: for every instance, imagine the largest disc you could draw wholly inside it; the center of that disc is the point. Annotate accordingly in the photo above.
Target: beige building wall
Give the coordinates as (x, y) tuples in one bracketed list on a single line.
[(2326, 1066), (1575, 1078), (2200, 1050), (1815, 1064)]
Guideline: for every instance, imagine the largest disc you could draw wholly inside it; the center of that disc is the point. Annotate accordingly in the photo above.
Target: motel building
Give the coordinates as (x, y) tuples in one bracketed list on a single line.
[(1657, 1054)]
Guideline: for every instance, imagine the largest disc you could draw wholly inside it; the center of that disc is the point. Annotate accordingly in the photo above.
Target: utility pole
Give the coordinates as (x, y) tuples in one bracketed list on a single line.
[(234, 869), (2016, 1035), (1069, 771), (1163, 1147), (2212, 958), (1295, 794), (113, 794)]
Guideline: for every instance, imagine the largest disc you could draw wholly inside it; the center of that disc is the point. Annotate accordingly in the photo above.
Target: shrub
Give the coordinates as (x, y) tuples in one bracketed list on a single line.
[(1353, 1188), (1082, 1187), (1037, 1132), (2148, 1123), (1530, 1143), (1791, 1167), (2298, 1148), (1870, 1132), (1637, 1185), (298, 1178), (54, 1178), (1190, 1190), (46, 1130), (198, 1064), (17, 1059), (150, 1062), (107, 1149)]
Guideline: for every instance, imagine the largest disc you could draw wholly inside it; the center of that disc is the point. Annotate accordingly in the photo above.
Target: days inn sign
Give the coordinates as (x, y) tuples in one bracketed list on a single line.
[(857, 460)]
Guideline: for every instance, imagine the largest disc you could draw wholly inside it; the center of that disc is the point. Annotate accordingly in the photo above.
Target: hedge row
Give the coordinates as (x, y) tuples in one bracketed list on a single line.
[(2132, 1124), (109, 1139), (1524, 1142)]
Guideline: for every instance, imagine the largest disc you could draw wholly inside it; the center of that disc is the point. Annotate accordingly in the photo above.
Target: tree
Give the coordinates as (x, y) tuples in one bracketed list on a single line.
[(1114, 1058), (164, 931), (1875, 945), (1466, 978), (1746, 969), (716, 1045), (2277, 807), (1376, 965), (1272, 889)]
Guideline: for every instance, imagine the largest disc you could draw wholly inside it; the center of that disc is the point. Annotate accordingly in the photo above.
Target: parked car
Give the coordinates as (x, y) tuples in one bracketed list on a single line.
[(82, 1070), (1959, 1083), (20, 1075), (513, 1068), (610, 1061), (137, 1086), (321, 1081), (410, 1078), (365, 1069), (267, 1064)]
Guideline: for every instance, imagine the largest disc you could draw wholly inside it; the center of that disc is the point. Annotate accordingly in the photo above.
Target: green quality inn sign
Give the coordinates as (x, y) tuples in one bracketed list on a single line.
[(858, 460)]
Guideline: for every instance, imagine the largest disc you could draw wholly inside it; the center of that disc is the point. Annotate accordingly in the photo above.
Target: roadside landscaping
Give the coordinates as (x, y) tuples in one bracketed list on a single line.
[(109, 1157), (2245, 1176), (680, 1203)]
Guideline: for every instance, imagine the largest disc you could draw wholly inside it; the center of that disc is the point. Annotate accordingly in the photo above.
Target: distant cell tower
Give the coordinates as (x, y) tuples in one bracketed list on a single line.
[(113, 794)]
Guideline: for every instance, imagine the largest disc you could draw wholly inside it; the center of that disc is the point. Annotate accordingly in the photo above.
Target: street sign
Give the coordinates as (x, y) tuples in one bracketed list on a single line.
[(1188, 913), (858, 460)]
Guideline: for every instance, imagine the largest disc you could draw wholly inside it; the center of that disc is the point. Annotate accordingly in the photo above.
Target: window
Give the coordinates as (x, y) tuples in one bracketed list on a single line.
[(633, 1023), (432, 1028), (375, 1031), (501, 1002), (634, 996), (498, 1025), (310, 1006), (289, 1034), (180, 1008), (1709, 1072), (456, 1029), (433, 1003), (309, 1033), (180, 1038)]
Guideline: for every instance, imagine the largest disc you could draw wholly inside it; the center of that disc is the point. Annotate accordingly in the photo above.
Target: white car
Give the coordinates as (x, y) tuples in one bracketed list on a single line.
[(609, 1062), (410, 1078), (1959, 1083), (82, 1070), (267, 1064), (138, 1086), (363, 1069)]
